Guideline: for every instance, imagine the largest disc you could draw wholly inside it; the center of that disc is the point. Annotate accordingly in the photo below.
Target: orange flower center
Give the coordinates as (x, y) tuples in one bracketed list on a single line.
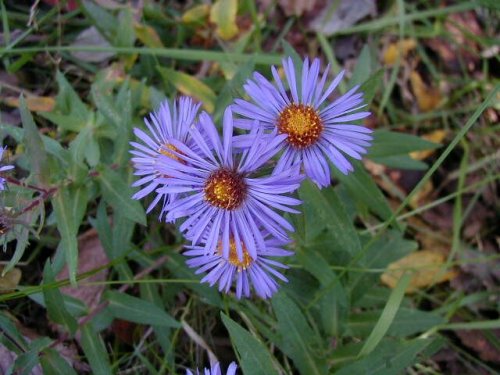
[(301, 123), (233, 256), (226, 189)]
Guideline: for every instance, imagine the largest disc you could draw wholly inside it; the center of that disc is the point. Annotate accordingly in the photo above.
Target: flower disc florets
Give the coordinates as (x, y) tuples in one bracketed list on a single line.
[(225, 189), (301, 123)]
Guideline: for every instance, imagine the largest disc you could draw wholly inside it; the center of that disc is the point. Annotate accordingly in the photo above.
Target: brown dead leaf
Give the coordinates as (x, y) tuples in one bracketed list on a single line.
[(91, 255), (296, 7), (476, 340), (427, 267), (459, 47), (34, 103), (428, 98), (398, 50), (10, 280)]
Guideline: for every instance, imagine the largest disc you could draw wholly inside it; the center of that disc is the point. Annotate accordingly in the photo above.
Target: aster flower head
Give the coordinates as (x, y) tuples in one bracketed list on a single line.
[(215, 370), (222, 195), (3, 169), (259, 273), (316, 130), (171, 121)]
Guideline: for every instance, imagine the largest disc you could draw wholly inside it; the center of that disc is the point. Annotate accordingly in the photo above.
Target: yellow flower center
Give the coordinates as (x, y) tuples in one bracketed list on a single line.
[(301, 123), (167, 151), (233, 256), (226, 189)]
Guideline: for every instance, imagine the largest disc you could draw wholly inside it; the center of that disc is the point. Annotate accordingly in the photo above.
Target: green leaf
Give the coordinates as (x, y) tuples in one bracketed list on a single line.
[(138, 310), (104, 21), (255, 358), (401, 162), (53, 363), (407, 322), (95, 350), (333, 305), (330, 210), (363, 190), (298, 341), (26, 361), (363, 68), (387, 143), (232, 88), (371, 85), (69, 102), (206, 294), (387, 249), (125, 33), (34, 145), (63, 205), (387, 316), (390, 358), (21, 242), (118, 194), (55, 303), (189, 85)]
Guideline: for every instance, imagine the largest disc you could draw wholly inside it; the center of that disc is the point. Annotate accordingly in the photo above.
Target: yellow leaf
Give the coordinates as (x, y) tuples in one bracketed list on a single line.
[(437, 136), (34, 103), (428, 98), (189, 85), (399, 50), (147, 35), (10, 280), (196, 14), (427, 266), (223, 15)]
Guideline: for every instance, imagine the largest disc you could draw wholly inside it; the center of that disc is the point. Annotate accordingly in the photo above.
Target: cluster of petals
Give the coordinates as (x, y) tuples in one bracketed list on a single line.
[(226, 192), (4, 168), (215, 370)]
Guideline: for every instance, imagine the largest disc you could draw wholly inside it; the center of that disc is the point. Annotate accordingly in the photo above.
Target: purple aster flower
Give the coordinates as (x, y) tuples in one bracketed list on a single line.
[(215, 370), (169, 122), (258, 272), (3, 169), (222, 195), (315, 131)]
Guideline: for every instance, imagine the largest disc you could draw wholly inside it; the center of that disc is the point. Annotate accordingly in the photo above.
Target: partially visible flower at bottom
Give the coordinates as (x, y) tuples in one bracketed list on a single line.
[(259, 272), (215, 370), (3, 169)]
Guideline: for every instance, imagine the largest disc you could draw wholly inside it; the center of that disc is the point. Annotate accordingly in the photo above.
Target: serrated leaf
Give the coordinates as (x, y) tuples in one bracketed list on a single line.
[(255, 358), (34, 145), (63, 207), (118, 194), (138, 310), (189, 85), (223, 15), (53, 363), (298, 341), (95, 350), (21, 242), (55, 303)]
